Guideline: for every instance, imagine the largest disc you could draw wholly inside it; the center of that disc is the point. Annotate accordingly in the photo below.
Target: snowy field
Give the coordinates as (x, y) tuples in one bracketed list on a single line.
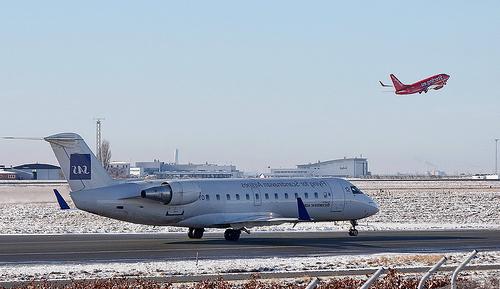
[(404, 205), (204, 266)]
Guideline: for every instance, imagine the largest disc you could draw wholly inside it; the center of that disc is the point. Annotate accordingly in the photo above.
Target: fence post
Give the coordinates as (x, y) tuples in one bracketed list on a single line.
[(434, 268), (373, 278), (314, 282), (460, 268)]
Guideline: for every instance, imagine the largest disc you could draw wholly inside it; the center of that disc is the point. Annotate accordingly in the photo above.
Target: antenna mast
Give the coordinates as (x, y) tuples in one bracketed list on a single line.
[(98, 141)]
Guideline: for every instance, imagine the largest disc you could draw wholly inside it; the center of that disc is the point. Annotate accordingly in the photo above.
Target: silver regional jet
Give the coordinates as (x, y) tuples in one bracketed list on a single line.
[(233, 204)]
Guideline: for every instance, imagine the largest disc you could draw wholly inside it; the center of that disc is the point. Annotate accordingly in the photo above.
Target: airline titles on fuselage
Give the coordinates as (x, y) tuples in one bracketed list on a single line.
[(432, 81), (293, 184)]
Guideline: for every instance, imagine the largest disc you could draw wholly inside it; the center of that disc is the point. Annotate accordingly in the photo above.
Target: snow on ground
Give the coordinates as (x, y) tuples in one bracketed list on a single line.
[(31, 209), (30, 192), (404, 205), (14, 272)]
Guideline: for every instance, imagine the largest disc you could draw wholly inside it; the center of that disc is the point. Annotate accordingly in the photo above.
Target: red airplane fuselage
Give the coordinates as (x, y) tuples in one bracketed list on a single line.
[(434, 82)]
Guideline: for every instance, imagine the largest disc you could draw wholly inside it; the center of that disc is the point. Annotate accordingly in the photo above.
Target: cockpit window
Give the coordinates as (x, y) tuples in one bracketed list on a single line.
[(355, 190)]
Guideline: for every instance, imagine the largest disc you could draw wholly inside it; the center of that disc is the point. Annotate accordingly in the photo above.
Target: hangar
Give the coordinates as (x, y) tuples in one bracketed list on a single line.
[(346, 167), (38, 172)]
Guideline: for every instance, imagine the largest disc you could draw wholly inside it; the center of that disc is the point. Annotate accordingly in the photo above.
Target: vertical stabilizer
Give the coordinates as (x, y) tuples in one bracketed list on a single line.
[(398, 85), (79, 165)]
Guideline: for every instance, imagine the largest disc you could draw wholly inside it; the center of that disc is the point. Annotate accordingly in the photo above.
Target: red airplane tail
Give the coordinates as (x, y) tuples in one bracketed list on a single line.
[(398, 85)]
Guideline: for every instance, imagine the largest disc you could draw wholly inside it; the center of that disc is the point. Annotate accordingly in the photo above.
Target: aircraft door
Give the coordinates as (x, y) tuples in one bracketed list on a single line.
[(257, 198), (338, 196)]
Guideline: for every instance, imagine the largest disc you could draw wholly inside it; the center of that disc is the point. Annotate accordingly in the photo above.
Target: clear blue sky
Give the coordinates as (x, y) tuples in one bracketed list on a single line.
[(254, 83)]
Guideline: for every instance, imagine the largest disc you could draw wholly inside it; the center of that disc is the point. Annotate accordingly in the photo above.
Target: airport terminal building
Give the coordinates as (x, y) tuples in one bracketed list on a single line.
[(346, 168), (161, 170)]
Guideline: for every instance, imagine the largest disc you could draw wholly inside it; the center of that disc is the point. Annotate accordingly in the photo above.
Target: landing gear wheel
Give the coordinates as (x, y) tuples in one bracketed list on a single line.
[(195, 233), (353, 231), (232, 235)]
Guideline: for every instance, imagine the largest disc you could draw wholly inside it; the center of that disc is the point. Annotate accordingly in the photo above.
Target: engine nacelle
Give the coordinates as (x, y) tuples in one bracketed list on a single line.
[(161, 194), (184, 193), (173, 193)]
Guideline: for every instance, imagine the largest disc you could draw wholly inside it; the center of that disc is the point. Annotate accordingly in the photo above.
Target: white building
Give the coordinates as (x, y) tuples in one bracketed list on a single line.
[(119, 170), (149, 167), (7, 175), (136, 172), (170, 171), (346, 167)]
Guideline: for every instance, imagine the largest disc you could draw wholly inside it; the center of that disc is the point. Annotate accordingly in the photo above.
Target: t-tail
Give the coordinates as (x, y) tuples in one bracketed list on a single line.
[(79, 165), (398, 85)]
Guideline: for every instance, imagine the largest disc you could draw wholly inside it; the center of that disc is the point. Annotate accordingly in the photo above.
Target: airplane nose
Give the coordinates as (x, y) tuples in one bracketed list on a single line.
[(373, 208)]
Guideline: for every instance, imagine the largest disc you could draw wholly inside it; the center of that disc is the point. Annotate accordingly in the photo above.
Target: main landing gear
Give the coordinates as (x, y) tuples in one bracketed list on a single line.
[(232, 234), (195, 233), (353, 231)]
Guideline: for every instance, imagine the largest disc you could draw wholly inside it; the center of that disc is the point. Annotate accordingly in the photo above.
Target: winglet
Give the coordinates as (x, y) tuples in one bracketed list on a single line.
[(303, 214), (61, 201)]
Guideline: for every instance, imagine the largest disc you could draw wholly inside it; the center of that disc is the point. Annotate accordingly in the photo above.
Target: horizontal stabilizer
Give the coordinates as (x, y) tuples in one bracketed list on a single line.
[(303, 214), (61, 201), (384, 85)]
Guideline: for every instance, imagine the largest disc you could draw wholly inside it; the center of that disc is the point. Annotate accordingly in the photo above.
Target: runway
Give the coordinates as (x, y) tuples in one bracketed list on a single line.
[(144, 247)]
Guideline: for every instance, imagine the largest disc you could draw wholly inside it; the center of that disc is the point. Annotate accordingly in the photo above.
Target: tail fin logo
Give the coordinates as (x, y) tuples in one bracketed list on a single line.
[(80, 167)]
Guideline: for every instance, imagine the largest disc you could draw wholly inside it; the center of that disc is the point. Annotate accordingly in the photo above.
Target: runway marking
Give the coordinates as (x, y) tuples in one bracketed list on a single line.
[(166, 240), (143, 250), (91, 241)]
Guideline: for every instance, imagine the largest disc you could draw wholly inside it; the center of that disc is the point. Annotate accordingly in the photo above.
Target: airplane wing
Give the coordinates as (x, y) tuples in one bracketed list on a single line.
[(238, 220), (248, 220)]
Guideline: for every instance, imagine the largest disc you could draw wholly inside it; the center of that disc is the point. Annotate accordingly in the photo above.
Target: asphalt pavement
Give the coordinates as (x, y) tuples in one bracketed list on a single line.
[(174, 246)]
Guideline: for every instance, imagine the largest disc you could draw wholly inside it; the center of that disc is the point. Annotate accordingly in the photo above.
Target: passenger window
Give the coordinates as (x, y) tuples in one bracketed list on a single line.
[(306, 195), (228, 197), (276, 196), (286, 195), (207, 197), (296, 195), (267, 196), (256, 196), (315, 195), (217, 197), (238, 197), (248, 197)]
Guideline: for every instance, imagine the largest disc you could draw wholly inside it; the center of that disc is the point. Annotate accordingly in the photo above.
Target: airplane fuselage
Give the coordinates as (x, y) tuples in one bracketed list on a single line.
[(434, 82), (218, 203), (234, 204)]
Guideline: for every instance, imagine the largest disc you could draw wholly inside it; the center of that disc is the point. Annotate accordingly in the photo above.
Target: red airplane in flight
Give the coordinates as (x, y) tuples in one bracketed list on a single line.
[(434, 82)]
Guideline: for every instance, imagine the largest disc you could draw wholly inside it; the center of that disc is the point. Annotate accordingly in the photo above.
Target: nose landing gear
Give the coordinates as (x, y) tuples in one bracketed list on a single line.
[(195, 233), (352, 230)]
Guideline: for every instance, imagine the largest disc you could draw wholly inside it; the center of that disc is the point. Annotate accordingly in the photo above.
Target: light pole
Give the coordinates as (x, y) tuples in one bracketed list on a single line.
[(496, 156)]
